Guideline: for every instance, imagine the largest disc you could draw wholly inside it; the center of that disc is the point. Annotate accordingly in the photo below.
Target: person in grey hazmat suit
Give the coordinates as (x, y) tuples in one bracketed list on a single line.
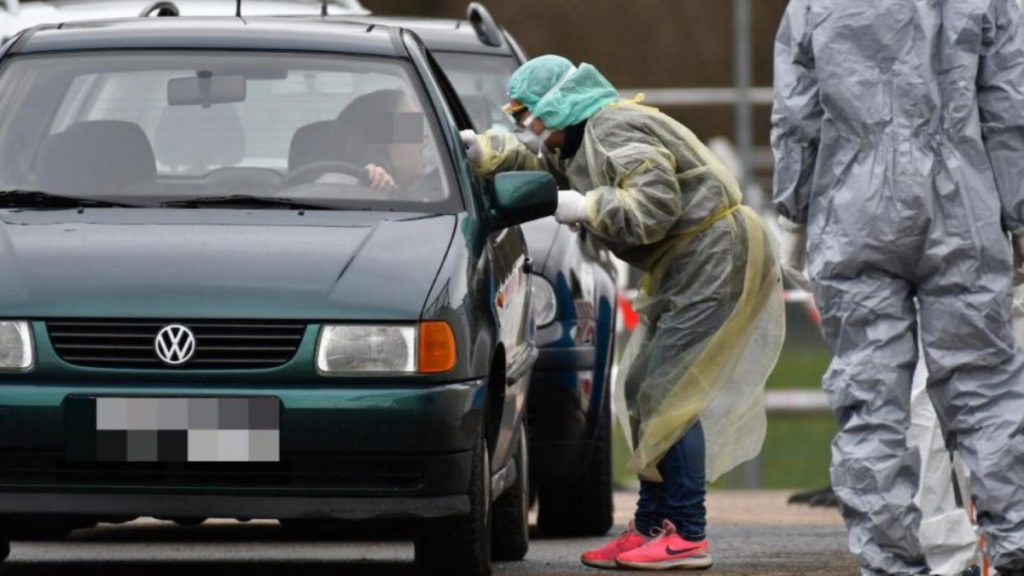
[(898, 133)]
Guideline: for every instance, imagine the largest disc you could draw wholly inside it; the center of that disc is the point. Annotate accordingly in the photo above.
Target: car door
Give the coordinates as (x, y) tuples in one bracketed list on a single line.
[(509, 297), (510, 301)]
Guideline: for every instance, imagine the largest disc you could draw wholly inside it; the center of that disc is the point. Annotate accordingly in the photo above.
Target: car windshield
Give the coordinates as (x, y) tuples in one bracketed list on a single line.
[(152, 127), (481, 82)]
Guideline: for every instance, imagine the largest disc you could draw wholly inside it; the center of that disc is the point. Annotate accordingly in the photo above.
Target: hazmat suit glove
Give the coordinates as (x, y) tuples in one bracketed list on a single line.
[(471, 143), (793, 248), (572, 208), (1018, 259)]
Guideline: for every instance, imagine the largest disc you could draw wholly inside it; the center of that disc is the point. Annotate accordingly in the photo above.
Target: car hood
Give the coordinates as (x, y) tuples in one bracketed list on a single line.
[(194, 264)]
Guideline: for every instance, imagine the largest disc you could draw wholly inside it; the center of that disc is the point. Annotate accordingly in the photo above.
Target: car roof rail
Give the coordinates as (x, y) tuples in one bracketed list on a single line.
[(486, 28), (351, 6), (160, 8)]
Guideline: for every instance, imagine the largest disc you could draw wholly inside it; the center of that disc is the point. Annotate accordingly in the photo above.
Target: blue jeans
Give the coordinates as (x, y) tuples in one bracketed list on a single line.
[(680, 497)]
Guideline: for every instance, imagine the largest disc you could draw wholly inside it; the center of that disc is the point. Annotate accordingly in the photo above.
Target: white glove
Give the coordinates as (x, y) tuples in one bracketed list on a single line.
[(571, 207), (793, 247), (471, 142), (1018, 259)]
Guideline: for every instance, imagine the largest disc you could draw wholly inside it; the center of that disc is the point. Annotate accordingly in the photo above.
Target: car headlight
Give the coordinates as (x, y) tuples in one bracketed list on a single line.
[(426, 348), (16, 352), (544, 300)]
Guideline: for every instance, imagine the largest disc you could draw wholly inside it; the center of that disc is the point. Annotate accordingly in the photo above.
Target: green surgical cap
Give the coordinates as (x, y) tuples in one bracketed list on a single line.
[(559, 93)]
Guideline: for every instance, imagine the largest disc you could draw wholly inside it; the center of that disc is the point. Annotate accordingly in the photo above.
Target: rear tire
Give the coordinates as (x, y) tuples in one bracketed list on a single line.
[(461, 545), (512, 510), (584, 508)]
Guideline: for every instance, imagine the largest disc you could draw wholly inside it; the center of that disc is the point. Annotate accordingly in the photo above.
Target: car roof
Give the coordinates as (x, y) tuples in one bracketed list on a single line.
[(31, 13), (310, 34), (439, 34)]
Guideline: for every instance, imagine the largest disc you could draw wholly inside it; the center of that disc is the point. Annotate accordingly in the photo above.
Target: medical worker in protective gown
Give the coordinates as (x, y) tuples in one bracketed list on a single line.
[(711, 304), (898, 133)]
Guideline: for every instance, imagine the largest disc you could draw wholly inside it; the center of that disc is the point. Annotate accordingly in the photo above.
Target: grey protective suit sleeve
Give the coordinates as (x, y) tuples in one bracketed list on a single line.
[(1000, 92), (796, 116)]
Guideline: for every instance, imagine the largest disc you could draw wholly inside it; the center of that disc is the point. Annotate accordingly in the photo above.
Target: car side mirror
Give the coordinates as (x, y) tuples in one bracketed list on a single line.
[(522, 196)]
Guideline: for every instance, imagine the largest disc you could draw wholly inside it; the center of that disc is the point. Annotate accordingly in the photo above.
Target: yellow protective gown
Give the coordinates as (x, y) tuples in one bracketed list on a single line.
[(711, 302)]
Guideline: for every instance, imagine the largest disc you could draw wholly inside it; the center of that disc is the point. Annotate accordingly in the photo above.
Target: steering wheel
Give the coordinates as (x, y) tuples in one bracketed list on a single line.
[(308, 173)]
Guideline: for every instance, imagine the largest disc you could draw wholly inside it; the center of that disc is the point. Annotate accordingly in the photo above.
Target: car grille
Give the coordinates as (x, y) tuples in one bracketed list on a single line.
[(219, 344)]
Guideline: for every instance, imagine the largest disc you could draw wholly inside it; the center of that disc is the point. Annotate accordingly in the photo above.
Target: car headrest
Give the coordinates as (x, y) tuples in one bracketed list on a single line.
[(197, 136), (316, 142), (95, 157)]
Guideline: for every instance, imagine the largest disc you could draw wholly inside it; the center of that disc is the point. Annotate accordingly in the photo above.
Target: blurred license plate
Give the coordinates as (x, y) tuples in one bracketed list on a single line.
[(173, 429)]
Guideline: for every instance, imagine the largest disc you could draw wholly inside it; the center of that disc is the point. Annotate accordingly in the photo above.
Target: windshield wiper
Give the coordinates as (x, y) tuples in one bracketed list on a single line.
[(239, 200), (40, 199)]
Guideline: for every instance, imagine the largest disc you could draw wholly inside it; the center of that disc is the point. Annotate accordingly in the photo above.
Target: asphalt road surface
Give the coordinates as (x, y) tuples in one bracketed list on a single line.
[(751, 533)]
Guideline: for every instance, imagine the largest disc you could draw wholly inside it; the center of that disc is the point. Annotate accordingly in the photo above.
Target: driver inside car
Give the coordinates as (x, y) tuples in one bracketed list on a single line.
[(383, 131)]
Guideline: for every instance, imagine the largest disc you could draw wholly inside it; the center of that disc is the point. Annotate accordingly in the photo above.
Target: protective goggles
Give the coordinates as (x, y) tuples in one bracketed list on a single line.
[(514, 112)]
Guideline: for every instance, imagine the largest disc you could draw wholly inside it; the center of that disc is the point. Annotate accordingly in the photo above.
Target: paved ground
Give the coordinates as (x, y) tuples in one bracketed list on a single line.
[(751, 533)]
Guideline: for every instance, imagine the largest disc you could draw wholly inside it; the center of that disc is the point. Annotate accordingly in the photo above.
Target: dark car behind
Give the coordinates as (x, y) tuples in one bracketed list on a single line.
[(569, 412)]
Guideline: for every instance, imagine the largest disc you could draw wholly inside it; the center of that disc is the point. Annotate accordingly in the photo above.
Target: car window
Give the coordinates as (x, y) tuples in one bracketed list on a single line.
[(153, 125), (481, 81)]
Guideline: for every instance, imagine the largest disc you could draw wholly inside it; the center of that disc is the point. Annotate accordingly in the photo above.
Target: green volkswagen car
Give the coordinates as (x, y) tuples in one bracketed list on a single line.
[(246, 272)]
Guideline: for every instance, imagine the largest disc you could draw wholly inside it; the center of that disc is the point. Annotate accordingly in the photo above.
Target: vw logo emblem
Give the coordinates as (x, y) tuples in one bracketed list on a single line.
[(175, 344)]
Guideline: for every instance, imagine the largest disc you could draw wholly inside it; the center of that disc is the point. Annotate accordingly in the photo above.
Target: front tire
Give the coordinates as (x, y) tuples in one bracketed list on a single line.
[(461, 545), (512, 510)]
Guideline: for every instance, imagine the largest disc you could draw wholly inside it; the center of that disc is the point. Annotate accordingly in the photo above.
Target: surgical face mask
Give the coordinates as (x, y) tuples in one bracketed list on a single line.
[(533, 141)]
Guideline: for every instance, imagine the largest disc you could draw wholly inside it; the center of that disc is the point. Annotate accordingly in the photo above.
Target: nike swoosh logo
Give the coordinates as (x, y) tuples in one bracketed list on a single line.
[(671, 552)]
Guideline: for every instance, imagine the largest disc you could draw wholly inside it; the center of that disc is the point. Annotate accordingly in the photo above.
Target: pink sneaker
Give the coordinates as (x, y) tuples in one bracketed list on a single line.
[(604, 557), (668, 550)]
